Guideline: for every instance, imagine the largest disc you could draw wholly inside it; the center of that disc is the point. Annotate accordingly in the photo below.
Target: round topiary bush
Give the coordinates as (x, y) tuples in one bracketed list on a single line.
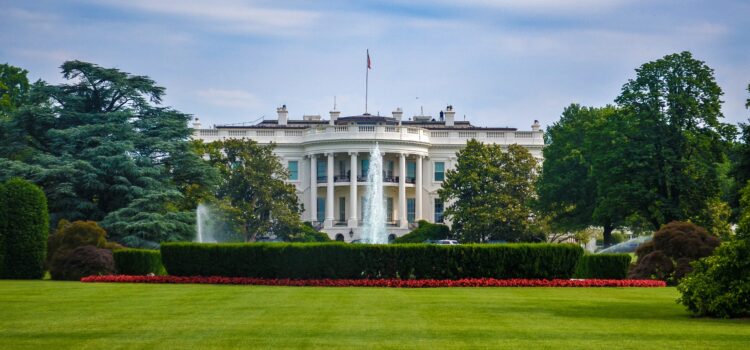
[(26, 229), (668, 256), (719, 285), (81, 262)]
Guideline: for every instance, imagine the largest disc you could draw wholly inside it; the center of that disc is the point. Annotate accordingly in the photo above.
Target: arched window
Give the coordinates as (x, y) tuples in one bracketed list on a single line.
[(340, 237), (391, 238)]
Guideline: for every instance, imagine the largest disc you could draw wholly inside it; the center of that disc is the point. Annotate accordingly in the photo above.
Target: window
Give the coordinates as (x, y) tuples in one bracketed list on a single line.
[(365, 167), (438, 210), (411, 170), (293, 166), (342, 168), (411, 206), (389, 209), (322, 170), (389, 169), (439, 171), (321, 209), (342, 209)]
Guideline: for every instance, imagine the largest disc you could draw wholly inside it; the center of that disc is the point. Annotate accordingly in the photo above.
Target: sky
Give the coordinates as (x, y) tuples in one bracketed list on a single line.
[(498, 62)]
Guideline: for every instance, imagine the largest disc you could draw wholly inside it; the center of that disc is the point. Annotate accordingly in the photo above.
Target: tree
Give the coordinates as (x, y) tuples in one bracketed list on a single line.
[(25, 231), (14, 87), (252, 192), (489, 193), (99, 145), (668, 256), (568, 190), (740, 156), (661, 165)]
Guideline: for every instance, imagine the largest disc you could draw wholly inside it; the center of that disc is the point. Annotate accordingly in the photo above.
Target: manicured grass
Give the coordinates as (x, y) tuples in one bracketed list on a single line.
[(73, 315)]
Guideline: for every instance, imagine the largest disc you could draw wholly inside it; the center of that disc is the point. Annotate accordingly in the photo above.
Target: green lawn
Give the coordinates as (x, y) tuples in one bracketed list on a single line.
[(73, 315)]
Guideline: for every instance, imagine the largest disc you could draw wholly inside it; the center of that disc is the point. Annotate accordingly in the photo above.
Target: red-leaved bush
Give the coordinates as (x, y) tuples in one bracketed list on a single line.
[(394, 283)]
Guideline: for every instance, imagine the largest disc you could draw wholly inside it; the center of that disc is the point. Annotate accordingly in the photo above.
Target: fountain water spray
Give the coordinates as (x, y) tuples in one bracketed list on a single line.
[(374, 219), (202, 217)]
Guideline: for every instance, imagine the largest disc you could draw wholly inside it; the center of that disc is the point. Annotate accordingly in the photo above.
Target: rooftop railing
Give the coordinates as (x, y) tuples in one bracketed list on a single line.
[(374, 132)]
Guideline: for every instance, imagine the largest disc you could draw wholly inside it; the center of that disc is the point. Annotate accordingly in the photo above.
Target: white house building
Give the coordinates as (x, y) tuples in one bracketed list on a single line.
[(328, 162)]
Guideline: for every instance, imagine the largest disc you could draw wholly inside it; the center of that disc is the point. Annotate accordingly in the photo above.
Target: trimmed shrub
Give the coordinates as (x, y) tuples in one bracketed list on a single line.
[(667, 257), (424, 232), (603, 266), (357, 261), (83, 261), (26, 230), (138, 262), (719, 285), (3, 222)]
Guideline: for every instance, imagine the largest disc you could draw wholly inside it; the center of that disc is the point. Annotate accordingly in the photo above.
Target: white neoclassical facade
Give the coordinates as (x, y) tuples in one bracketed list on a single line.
[(328, 161)]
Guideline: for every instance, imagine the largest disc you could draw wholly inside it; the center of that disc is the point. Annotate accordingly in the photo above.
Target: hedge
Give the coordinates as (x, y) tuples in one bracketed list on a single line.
[(138, 262), (356, 261), (603, 266), (26, 230)]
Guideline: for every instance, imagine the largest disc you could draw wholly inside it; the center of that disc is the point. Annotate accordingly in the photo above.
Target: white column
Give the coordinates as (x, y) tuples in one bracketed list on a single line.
[(329, 193), (313, 188), (418, 190), (353, 190), (402, 191)]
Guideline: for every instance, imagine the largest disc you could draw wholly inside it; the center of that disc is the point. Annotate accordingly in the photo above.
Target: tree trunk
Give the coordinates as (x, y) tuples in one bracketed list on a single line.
[(608, 228)]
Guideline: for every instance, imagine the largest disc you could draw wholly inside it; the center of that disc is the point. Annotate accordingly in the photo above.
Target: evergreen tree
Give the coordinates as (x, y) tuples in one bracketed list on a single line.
[(99, 145)]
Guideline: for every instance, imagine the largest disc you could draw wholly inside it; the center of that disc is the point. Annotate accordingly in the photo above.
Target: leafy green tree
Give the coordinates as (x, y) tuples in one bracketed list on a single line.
[(252, 192), (14, 87), (568, 190), (101, 146), (740, 157), (660, 163), (489, 193)]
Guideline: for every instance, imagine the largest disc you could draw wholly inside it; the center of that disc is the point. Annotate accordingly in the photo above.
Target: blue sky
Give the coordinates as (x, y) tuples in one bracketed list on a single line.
[(498, 62)]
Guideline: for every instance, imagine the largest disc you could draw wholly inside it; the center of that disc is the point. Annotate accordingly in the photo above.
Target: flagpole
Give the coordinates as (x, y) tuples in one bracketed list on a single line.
[(367, 78)]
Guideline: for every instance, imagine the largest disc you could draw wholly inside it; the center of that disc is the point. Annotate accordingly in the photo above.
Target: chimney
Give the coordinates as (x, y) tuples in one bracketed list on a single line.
[(334, 116), (196, 124), (450, 115), (535, 126), (397, 114), (283, 114)]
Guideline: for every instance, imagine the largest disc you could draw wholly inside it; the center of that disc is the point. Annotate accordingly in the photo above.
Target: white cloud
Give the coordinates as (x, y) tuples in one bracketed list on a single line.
[(549, 7), (227, 15), (230, 98)]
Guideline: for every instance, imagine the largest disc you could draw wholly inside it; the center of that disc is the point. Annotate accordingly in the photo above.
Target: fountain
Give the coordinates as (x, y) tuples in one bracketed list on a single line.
[(202, 217), (374, 217)]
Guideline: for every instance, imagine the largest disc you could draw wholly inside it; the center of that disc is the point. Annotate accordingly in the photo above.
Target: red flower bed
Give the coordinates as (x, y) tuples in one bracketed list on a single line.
[(394, 283)]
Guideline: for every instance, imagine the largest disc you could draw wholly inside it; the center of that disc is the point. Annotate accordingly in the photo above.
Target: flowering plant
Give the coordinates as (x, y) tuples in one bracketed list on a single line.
[(393, 283)]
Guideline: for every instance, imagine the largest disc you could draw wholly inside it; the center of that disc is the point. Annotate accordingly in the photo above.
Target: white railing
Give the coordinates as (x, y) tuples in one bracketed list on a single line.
[(377, 132)]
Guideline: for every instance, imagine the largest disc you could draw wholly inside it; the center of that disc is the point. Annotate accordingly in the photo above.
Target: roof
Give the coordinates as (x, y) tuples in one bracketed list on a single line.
[(364, 119)]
